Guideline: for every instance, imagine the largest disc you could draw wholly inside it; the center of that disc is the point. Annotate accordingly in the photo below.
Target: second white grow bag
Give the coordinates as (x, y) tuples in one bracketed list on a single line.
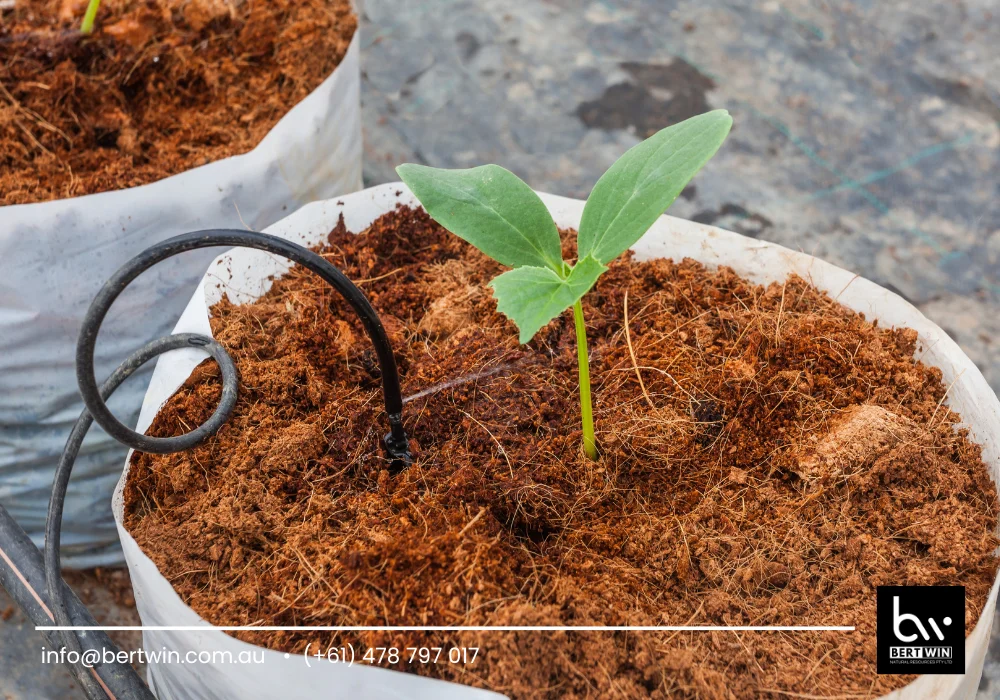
[(54, 257), (245, 275)]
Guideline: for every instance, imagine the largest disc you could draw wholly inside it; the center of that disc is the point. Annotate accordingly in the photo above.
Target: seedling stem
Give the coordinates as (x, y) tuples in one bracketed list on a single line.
[(87, 27), (586, 408)]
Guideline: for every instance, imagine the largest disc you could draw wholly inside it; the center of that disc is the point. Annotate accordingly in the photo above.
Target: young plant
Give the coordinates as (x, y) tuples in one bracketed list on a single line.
[(87, 26), (498, 213)]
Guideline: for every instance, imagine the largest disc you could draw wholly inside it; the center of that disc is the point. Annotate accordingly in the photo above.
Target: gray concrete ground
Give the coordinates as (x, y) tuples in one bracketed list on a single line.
[(867, 133)]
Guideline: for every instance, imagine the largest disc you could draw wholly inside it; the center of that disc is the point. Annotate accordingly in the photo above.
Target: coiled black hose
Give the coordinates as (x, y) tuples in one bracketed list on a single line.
[(395, 441)]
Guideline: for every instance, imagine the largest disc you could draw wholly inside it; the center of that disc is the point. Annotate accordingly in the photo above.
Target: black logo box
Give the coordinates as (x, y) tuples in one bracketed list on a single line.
[(924, 632)]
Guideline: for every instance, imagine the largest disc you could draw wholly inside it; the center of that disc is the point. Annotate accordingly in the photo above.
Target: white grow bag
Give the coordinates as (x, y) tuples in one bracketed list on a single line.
[(761, 262), (54, 257)]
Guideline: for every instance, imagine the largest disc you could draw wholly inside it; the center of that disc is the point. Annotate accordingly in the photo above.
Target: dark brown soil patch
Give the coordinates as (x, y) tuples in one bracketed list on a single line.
[(162, 86), (781, 458)]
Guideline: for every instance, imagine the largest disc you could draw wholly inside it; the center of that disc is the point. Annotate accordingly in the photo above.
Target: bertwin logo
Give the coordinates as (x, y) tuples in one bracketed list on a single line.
[(921, 629)]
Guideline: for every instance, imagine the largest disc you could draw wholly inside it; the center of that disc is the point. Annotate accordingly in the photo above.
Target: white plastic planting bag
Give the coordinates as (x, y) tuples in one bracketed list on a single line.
[(54, 256), (245, 275)]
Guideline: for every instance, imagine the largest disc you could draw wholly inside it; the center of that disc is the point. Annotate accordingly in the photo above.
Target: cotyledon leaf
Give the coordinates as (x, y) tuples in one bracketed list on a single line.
[(646, 180), (491, 208), (533, 296)]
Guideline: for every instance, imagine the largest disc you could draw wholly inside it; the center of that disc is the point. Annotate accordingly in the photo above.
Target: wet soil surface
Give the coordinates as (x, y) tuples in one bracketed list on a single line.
[(768, 457), (160, 87)]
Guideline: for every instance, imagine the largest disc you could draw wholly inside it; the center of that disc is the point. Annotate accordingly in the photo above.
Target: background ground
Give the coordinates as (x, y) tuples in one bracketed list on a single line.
[(866, 133)]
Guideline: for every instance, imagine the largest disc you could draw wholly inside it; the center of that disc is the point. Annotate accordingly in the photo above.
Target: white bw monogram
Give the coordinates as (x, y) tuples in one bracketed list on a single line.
[(898, 619)]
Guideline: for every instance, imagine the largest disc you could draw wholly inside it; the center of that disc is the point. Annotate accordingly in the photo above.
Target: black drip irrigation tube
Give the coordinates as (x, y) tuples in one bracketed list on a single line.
[(24, 570)]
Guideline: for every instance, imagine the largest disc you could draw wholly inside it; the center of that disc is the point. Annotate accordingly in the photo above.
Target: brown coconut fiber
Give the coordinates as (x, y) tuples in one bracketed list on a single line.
[(768, 457), (160, 87)]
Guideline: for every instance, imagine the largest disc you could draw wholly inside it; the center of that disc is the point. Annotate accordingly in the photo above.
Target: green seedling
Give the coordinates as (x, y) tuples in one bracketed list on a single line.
[(87, 26), (498, 213)]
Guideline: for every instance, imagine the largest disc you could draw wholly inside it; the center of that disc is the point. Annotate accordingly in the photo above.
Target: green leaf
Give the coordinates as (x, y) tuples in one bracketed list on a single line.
[(641, 184), (533, 296), (491, 208)]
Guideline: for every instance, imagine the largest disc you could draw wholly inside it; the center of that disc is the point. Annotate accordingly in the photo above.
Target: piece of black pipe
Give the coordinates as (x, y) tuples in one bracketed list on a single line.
[(22, 575)]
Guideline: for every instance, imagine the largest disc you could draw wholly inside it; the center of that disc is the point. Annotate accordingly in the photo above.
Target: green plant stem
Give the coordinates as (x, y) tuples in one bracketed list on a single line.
[(586, 409), (87, 27)]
